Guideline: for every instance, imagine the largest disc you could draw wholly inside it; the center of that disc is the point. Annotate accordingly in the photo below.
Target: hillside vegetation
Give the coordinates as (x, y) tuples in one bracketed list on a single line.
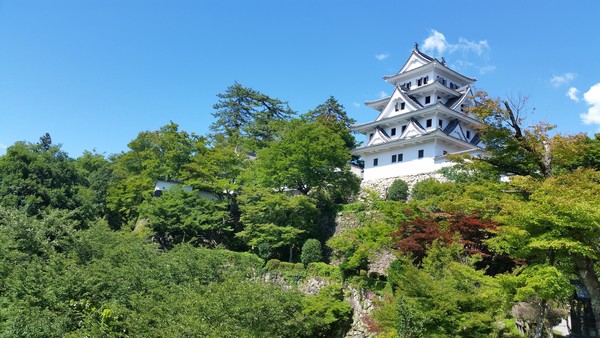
[(87, 250)]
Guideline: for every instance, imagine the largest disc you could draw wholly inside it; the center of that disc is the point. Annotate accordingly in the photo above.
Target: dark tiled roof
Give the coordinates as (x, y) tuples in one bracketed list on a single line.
[(415, 101), (450, 127), (412, 119), (475, 139), (452, 101), (383, 131), (423, 54)]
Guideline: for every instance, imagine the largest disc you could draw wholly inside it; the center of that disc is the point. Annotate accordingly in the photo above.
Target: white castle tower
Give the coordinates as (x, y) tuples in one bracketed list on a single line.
[(422, 121)]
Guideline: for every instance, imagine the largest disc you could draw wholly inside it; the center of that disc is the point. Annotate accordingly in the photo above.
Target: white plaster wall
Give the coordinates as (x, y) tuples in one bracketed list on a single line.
[(165, 185), (410, 165), (433, 160)]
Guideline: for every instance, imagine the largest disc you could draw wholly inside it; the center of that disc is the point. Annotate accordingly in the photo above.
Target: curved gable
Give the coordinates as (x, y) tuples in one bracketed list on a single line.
[(394, 105), (413, 129), (415, 60), (455, 130), (465, 98), (379, 137)]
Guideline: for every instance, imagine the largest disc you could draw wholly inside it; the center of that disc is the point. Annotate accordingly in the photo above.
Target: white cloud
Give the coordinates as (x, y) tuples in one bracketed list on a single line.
[(2, 146), (559, 80), (486, 69), (465, 45), (356, 104), (383, 94), (435, 42), (573, 94), (592, 98), (382, 56), (473, 54)]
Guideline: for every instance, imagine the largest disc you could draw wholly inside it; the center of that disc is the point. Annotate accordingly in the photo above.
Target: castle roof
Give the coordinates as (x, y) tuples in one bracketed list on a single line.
[(402, 142), (418, 62), (396, 119)]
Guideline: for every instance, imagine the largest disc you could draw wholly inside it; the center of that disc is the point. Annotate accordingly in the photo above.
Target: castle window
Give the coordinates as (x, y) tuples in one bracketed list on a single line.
[(403, 128), (421, 153), (428, 123), (375, 162), (441, 123), (468, 134), (393, 158), (427, 99), (425, 79), (397, 106), (400, 156), (371, 136), (393, 131), (420, 82), (402, 105)]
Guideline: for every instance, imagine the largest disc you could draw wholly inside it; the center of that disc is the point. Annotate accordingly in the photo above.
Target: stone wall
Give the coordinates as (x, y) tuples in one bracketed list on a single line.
[(362, 305), (380, 185)]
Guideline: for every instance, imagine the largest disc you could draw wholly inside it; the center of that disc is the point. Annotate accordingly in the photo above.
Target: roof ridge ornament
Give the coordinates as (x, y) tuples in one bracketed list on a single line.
[(417, 46), (443, 60)]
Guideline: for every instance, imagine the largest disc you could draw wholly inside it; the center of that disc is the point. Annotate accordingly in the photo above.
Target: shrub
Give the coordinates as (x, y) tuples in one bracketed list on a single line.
[(298, 266), (431, 188), (311, 251), (320, 269), (398, 191), (286, 266), (273, 264)]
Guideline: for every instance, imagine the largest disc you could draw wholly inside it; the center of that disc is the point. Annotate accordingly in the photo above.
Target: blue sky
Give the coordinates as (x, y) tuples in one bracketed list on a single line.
[(95, 73)]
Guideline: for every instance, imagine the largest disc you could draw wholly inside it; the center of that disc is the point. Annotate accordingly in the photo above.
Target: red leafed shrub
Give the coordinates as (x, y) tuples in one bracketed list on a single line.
[(472, 232), (416, 235), (371, 324)]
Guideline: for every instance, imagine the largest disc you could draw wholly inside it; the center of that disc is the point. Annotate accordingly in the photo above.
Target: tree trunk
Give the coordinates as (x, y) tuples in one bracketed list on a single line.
[(539, 329), (546, 161), (589, 278)]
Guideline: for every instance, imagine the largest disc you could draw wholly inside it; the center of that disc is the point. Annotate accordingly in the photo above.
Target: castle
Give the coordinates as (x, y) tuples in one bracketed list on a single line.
[(423, 120)]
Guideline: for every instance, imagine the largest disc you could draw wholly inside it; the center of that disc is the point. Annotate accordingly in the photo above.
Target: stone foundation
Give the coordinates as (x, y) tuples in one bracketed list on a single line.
[(380, 185)]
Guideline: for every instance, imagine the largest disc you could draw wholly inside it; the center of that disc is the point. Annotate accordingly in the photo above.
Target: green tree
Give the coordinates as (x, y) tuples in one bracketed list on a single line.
[(398, 191), (591, 157), (247, 117), (447, 297), (311, 251), (277, 219), (328, 315), (513, 148), (96, 175), (333, 115), (308, 157), (555, 223), (163, 153), (38, 177), (179, 216)]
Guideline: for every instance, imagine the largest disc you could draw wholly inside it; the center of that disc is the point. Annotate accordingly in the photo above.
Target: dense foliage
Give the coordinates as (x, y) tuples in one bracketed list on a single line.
[(97, 282), (89, 248)]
